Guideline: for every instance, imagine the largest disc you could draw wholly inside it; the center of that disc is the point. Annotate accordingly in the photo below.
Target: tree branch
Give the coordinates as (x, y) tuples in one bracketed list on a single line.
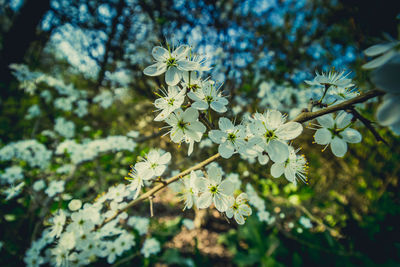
[(306, 116), (159, 187), (367, 124), (303, 117)]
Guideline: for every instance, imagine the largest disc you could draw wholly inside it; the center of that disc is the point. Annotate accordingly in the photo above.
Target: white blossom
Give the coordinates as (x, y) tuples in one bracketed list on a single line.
[(185, 127), (173, 63), (154, 163), (238, 208), (150, 246), (214, 190), (271, 133), (336, 133), (294, 168), (208, 96), (171, 101), (231, 139)]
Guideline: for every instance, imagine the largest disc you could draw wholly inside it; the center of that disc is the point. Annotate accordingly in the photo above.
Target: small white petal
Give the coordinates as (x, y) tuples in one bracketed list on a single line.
[(379, 61), (226, 187), (160, 53), (218, 107), (343, 119), (388, 112), (172, 77), (351, 136), (277, 151), (155, 69), (338, 147), (204, 201), (214, 174), (289, 131), (326, 121), (277, 169), (323, 136), (379, 49), (217, 136)]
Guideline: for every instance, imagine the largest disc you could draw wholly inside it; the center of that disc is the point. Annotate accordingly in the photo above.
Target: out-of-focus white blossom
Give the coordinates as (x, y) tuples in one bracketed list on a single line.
[(150, 246)]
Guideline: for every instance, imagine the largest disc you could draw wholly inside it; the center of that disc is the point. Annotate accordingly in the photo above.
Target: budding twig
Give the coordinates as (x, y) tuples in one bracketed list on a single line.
[(367, 124)]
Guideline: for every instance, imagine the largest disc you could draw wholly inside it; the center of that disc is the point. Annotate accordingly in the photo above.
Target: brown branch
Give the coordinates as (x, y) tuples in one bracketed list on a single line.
[(159, 187), (303, 117), (306, 116), (367, 124)]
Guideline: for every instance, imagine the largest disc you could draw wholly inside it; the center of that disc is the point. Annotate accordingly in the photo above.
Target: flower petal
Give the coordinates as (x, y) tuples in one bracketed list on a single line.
[(351, 136), (217, 136), (225, 124), (379, 61), (343, 119), (172, 77), (323, 136), (155, 69), (388, 112), (204, 201), (387, 77), (277, 151), (326, 121), (226, 187), (218, 107), (277, 169), (379, 49), (289, 131), (160, 53), (214, 174), (338, 147)]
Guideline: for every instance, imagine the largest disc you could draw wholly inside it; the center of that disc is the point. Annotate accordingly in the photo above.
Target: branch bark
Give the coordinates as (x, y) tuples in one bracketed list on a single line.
[(303, 117), (159, 187), (307, 116)]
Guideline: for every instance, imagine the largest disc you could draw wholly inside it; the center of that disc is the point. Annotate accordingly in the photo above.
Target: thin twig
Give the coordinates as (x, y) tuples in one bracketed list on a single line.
[(151, 206), (367, 124)]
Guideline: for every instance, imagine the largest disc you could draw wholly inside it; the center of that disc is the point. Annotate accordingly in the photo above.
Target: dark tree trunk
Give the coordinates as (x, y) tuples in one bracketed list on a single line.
[(17, 40)]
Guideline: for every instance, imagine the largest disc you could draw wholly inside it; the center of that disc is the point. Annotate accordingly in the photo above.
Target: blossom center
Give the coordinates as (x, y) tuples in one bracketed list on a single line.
[(213, 189), (181, 124), (209, 99), (171, 102), (231, 137), (269, 135), (171, 62)]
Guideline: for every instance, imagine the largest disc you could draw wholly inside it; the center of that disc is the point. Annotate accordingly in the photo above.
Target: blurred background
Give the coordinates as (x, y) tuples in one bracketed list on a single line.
[(81, 62)]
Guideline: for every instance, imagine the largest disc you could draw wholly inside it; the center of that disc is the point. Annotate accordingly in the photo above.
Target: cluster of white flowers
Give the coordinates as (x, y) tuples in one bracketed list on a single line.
[(33, 112), (91, 149), (76, 238), (152, 165), (64, 128), (199, 191), (11, 175), (259, 204), (263, 136), (106, 97), (32, 152)]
